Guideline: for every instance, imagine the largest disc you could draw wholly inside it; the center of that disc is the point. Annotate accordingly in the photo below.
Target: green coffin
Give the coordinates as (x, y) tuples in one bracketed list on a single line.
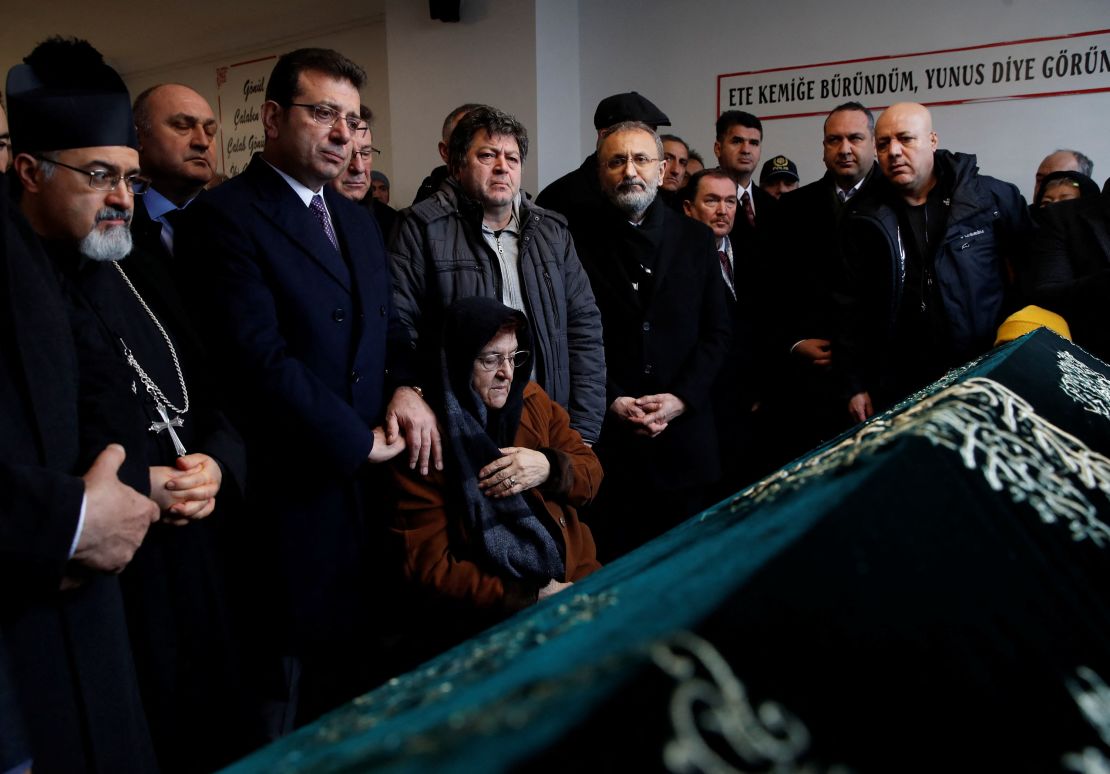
[(928, 593)]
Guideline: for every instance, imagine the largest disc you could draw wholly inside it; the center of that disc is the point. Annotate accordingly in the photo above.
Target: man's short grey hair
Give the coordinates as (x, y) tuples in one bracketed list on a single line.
[(1086, 166), (631, 126), (46, 163)]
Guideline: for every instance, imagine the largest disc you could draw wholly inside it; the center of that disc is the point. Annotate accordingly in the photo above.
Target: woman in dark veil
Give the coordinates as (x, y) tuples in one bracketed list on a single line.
[(497, 530)]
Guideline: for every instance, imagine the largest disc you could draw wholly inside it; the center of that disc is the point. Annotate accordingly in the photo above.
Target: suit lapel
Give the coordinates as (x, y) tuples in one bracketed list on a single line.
[(337, 206), (147, 232), (360, 253), (279, 204)]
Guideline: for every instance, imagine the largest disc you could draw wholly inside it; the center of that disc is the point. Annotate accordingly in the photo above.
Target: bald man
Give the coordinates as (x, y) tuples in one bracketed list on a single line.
[(1063, 160), (177, 151), (928, 258)]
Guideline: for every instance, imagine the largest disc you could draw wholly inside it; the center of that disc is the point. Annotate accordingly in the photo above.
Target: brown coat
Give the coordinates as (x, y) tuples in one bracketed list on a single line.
[(434, 551)]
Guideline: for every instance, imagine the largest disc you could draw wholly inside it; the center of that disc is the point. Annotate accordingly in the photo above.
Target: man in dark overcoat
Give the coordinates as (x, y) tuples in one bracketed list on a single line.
[(656, 278), (295, 306)]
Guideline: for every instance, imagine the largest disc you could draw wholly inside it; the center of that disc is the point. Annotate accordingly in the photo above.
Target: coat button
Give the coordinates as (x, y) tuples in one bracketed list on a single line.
[(339, 315), (381, 310), (355, 376), (646, 326), (647, 368)]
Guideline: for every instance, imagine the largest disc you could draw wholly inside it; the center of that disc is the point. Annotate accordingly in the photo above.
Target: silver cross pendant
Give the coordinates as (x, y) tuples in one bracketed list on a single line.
[(169, 425)]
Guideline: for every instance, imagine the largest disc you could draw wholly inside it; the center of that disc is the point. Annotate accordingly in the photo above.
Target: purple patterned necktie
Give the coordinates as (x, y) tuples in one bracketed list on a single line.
[(317, 207)]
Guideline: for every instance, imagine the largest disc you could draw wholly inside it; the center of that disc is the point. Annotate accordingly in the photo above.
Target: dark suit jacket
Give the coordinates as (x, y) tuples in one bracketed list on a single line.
[(751, 312), (751, 245), (1069, 269), (672, 341), (67, 652), (162, 279), (298, 334), (809, 270)]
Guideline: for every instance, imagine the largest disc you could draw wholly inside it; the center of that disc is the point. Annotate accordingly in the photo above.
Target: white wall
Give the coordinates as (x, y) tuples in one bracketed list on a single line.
[(558, 100), (550, 61), (489, 57), (673, 52), (363, 43)]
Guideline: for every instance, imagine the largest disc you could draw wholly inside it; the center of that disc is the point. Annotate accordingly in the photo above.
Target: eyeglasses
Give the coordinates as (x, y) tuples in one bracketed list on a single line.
[(103, 180), (491, 361), (642, 161), (366, 153), (329, 116)]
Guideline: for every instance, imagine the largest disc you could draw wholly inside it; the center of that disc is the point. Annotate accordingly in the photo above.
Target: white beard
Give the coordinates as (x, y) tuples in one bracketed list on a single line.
[(635, 201), (113, 244)]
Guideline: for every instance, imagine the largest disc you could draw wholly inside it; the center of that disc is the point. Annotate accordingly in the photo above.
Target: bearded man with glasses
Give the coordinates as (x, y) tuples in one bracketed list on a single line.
[(78, 169), (656, 277)]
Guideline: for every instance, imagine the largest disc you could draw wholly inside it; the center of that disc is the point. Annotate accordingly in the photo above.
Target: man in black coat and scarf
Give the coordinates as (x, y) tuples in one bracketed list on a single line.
[(656, 278)]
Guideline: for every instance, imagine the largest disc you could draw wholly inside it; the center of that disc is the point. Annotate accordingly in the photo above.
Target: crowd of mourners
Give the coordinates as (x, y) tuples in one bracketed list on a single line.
[(269, 442)]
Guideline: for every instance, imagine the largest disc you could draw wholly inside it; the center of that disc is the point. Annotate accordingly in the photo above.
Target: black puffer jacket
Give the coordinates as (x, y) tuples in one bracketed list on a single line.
[(438, 255), (987, 230)]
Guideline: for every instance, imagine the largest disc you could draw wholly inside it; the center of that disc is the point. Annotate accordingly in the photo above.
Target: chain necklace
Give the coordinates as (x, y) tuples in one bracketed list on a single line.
[(152, 388)]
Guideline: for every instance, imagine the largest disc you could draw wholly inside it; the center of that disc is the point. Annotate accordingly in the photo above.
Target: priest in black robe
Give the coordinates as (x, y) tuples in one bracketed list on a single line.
[(79, 180), (69, 699)]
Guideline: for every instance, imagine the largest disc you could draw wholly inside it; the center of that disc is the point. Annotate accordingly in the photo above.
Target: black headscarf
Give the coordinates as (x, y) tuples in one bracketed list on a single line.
[(505, 532), (1087, 187), (468, 325)]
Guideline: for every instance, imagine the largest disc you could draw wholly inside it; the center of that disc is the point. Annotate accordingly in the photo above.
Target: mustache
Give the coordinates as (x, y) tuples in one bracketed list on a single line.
[(114, 213), (630, 182)]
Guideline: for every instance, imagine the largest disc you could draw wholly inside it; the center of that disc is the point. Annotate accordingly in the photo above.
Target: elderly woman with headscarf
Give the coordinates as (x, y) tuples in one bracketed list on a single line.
[(497, 529), (1063, 186)]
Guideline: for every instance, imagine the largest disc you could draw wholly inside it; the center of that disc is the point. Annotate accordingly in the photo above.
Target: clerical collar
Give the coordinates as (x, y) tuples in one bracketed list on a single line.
[(300, 189)]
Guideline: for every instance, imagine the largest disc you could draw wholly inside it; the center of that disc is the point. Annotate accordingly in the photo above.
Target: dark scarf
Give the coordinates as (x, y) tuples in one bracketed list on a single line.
[(637, 247), (505, 532), (1088, 188)]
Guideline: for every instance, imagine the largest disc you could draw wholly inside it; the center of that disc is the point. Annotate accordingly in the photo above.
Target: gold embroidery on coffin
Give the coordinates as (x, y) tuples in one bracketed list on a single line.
[(709, 702), (1084, 385), (1093, 697), (455, 671), (995, 431)]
